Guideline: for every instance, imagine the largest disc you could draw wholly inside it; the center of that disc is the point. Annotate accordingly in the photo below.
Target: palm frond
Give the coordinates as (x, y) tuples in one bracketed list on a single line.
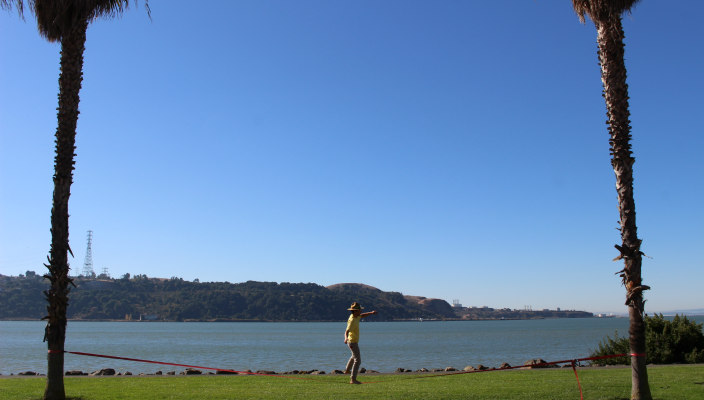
[(10, 4), (57, 17), (599, 10)]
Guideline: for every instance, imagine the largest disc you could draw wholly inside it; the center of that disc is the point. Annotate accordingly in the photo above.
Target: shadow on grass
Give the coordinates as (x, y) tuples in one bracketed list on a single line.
[(67, 398)]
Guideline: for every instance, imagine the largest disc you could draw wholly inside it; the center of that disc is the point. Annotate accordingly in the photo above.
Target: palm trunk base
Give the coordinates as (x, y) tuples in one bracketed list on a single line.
[(54, 389), (640, 388)]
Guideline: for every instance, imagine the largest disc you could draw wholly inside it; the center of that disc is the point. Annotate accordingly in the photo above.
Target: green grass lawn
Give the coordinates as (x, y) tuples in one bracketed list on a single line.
[(666, 382)]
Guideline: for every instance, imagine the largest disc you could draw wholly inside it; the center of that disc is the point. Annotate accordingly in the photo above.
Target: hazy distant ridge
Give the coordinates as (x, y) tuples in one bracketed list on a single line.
[(178, 300), (140, 297)]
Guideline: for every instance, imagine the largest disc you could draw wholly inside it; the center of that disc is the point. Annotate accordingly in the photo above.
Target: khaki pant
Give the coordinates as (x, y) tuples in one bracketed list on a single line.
[(355, 360)]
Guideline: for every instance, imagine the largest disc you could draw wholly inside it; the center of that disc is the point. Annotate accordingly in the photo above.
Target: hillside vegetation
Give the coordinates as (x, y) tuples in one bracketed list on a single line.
[(178, 300), (139, 297)]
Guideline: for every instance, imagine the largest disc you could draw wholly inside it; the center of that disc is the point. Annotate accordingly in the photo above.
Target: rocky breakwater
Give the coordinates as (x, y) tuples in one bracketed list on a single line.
[(530, 364)]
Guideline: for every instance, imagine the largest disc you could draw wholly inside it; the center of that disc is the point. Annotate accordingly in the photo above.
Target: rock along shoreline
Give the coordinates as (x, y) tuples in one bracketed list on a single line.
[(530, 364)]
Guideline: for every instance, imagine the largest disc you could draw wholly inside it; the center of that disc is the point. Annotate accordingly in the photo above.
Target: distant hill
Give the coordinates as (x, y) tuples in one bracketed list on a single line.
[(178, 300), (140, 297)]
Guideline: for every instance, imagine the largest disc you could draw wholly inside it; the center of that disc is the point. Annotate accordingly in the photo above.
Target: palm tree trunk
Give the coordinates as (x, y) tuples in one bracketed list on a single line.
[(72, 46), (613, 74)]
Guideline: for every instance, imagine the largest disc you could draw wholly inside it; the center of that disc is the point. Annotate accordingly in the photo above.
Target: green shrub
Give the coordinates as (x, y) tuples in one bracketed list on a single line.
[(666, 342), (609, 346)]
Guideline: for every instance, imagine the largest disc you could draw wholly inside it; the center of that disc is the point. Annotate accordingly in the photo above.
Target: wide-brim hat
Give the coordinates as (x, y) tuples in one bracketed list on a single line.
[(355, 307)]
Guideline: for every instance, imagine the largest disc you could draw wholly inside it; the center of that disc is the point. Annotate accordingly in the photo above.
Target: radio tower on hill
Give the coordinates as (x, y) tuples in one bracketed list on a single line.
[(88, 263)]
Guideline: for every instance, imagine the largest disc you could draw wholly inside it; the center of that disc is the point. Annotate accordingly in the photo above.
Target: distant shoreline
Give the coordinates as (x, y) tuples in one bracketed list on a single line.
[(143, 298), (340, 320), (309, 321)]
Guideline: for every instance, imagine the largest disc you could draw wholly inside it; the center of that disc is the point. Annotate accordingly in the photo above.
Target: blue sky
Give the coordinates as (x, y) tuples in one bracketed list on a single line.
[(449, 149)]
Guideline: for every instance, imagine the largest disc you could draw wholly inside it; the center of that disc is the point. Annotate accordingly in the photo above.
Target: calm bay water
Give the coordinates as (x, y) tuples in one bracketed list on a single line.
[(285, 346)]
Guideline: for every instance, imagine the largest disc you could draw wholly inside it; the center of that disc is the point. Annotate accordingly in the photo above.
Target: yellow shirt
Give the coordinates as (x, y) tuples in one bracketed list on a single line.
[(353, 329)]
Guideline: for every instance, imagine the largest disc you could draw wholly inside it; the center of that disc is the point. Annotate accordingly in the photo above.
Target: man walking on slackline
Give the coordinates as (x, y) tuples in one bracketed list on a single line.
[(352, 340)]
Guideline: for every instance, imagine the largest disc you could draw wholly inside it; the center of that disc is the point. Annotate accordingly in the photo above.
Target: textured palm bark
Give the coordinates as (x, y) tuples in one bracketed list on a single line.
[(72, 46), (613, 75)]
